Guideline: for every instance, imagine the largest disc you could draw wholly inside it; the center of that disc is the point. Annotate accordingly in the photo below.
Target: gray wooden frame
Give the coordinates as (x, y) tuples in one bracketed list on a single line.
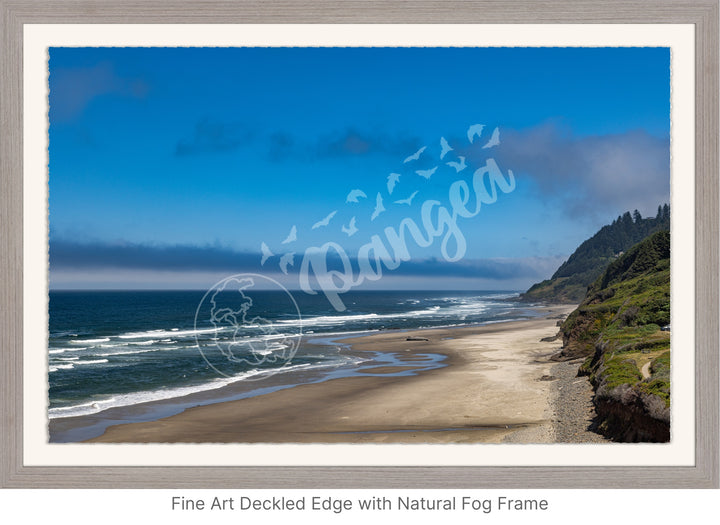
[(702, 13)]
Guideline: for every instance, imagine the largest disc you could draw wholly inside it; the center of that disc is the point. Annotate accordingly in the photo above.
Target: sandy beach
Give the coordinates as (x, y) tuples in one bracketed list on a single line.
[(496, 387)]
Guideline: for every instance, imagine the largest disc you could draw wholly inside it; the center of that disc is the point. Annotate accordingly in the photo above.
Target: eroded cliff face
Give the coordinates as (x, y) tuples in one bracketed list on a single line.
[(620, 328), (630, 416), (632, 403)]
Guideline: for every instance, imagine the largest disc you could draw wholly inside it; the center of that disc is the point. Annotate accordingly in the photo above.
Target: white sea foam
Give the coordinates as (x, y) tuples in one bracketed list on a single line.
[(92, 362), (174, 332), (270, 348), (55, 368), (334, 320), (63, 350), (131, 352), (143, 351), (90, 341)]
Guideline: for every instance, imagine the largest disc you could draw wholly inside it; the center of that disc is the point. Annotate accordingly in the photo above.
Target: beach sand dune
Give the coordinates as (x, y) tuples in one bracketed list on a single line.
[(494, 388)]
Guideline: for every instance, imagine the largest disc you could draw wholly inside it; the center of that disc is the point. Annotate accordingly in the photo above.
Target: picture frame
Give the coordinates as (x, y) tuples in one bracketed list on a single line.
[(703, 14)]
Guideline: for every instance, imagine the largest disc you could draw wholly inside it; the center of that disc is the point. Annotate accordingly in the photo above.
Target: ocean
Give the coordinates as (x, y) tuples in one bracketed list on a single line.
[(110, 349)]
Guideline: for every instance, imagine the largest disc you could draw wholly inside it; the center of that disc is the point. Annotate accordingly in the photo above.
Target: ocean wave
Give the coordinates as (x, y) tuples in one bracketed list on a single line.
[(160, 333), (143, 351), (457, 307), (93, 362), (90, 341), (120, 400), (63, 333), (63, 350), (272, 347), (455, 310), (55, 368), (333, 320)]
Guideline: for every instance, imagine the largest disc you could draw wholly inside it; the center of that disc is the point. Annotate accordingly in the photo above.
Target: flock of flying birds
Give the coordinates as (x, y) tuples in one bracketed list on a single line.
[(355, 195)]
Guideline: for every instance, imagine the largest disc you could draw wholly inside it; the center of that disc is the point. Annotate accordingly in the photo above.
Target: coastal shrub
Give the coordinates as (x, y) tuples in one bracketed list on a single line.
[(617, 371), (659, 382), (657, 387), (586, 367), (628, 316), (661, 365)]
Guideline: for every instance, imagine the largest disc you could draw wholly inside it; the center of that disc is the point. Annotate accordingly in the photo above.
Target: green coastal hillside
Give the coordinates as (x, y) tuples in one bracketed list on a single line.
[(621, 328), (570, 282)]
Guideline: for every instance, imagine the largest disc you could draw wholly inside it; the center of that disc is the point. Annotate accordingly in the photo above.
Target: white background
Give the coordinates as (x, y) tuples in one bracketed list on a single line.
[(141, 507)]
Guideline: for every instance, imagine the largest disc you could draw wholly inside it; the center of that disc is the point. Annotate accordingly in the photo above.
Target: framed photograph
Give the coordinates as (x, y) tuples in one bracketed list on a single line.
[(321, 245)]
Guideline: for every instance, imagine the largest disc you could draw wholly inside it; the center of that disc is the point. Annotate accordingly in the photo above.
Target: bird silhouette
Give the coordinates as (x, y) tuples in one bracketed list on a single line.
[(415, 156), (475, 129), (266, 253), (494, 139), (392, 180), (285, 261), (325, 221), (350, 229), (459, 166), (354, 194), (379, 208), (407, 201), (445, 147), (426, 173), (292, 236)]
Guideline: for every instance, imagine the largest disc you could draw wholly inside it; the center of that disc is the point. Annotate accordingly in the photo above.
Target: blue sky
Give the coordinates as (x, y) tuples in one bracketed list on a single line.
[(169, 167)]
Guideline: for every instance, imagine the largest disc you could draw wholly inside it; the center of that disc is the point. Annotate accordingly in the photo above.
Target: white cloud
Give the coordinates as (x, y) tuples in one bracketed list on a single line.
[(591, 176)]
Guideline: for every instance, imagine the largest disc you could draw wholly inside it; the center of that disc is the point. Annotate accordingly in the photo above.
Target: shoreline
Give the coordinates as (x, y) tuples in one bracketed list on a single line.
[(491, 390)]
